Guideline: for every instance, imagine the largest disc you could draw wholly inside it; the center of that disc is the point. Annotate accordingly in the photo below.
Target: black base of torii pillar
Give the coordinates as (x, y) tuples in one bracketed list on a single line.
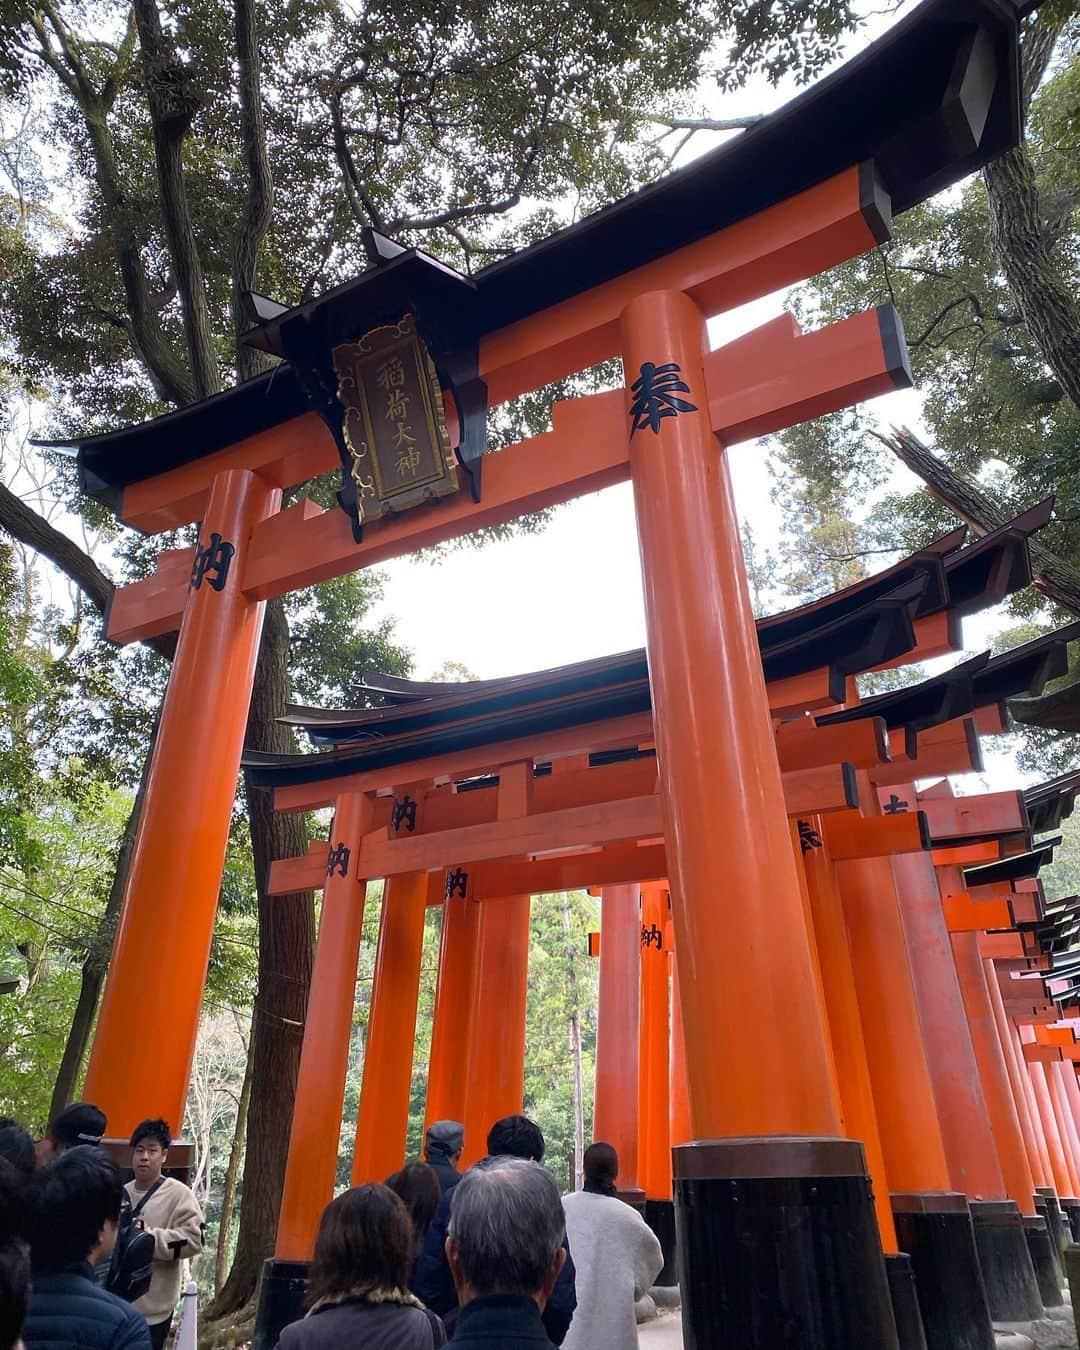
[(778, 1246)]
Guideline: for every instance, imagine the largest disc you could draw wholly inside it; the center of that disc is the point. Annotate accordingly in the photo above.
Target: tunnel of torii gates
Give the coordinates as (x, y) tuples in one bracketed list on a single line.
[(870, 988)]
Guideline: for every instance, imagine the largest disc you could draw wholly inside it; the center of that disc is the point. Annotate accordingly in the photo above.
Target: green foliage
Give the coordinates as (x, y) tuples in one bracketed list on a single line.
[(993, 409)]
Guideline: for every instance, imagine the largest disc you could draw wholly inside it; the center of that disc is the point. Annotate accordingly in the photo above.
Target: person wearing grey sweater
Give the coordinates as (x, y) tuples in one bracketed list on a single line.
[(616, 1254)]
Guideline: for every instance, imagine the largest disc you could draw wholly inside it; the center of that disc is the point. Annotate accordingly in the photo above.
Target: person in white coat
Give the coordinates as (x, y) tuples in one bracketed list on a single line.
[(616, 1254)]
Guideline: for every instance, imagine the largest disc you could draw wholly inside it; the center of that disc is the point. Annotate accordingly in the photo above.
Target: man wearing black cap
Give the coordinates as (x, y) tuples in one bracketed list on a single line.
[(79, 1123), (442, 1150)]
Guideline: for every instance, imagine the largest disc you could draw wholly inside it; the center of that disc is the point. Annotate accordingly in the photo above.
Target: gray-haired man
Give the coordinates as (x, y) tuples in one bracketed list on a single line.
[(505, 1248)]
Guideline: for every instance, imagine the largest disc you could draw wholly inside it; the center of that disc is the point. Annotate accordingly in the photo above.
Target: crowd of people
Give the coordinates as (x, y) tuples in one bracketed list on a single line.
[(489, 1258), (86, 1259)]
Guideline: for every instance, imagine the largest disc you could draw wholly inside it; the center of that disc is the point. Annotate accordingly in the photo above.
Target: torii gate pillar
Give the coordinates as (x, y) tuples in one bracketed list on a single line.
[(761, 1086)]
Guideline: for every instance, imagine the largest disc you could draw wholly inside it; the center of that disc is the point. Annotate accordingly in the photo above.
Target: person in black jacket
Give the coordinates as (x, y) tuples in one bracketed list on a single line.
[(443, 1143), (505, 1249), (73, 1205), (14, 1257), (433, 1282)]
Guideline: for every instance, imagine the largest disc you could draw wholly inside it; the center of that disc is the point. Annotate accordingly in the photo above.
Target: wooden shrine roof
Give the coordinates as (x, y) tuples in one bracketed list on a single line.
[(931, 101), (420, 720)]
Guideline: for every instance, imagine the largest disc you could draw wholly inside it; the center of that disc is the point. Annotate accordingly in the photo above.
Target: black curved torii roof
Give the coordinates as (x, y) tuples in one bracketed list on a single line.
[(927, 104), (855, 629)]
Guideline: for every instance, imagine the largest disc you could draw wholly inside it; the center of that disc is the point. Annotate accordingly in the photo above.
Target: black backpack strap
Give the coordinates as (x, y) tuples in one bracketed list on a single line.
[(138, 1209)]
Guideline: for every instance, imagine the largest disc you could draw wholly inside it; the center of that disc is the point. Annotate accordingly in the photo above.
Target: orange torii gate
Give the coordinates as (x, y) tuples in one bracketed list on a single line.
[(803, 190), (575, 787)]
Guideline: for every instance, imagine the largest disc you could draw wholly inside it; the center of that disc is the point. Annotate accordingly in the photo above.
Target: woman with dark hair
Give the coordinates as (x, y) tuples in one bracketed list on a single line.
[(616, 1255), (358, 1292), (418, 1186)]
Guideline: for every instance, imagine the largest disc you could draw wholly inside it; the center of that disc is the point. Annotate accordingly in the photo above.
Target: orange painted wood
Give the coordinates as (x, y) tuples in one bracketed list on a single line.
[(995, 890), (175, 877), (1055, 1079), (904, 1100), (324, 1058), (781, 245), (974, 1165), (497, 1053), (852, 835), (776, 376), (1026, 909), (806, 375), (720, 778), (618, 864), (802, 744), (989, 813), (1035, 1053), (455, 1004), (859, 1117), (997, 945), (990, 720), (612, 733), (1063, 1036), (822, 790), (814, 691), (1004, 1119), (965, 914), (965, 855), (1036, 1068), (283, 456), (615, 1105), (654, 1121), (288, 875), (154, 605), (680, 1128), (607, 822), (383, 1115), (1034, 1144), (584, 452)]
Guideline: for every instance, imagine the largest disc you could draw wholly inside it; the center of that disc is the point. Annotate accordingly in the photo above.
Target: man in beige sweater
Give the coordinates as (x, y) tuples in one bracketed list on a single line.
[(167, 1209)]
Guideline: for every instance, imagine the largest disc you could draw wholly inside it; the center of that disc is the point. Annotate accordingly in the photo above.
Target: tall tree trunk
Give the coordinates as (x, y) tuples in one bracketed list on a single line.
[(174, 101), (1058, 579), (1024, 253), (92, 976), (286, 954), (575, 1047), (258, 211), (232, 1175)]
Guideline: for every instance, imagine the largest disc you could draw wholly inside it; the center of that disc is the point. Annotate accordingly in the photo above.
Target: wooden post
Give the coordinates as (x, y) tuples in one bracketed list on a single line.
[(497, 1056), (720, 780), (654, 1137), (382, 1119), (679, 1093), (1031, 1126), (455, 1004), (1004, 1119), (615, 1108), (903, 1090), (757, 1052), (324, 1058), (1058, 1166), (158, 968), (845, 1026), (970, 1148), (1063, 1115)]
